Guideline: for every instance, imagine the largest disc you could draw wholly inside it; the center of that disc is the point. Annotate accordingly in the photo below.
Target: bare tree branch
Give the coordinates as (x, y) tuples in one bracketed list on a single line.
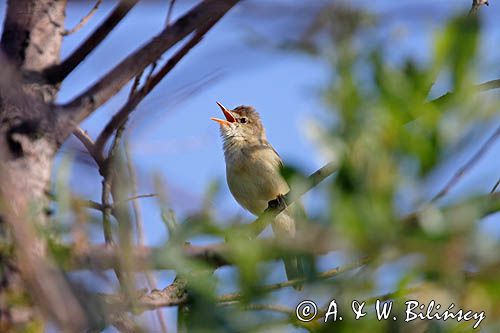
[(150, 84), (278, 205), (170, 10), (141, 196), (494, 188), (270, 307), (468, 165), (290, 283), (167, 24), (476, 4), (485, 86), (84, 20), (139, 226), (102, 257), (88, 143), (98, 206), (124, 323), (172, 295), (175, 294), (83, 105), (318, 241), (58, 73), (107, 181), (487, 204)]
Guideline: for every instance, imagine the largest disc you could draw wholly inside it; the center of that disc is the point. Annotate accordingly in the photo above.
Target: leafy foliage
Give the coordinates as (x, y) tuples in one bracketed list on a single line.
[(390, 139)]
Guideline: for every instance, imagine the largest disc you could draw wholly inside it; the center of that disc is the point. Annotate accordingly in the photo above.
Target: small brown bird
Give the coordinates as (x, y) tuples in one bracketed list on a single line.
[(253, 173)]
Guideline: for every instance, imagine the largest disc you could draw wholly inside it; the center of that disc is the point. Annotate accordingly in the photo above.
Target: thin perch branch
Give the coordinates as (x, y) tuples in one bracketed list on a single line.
[(468, 165), (277, 205), (167, 24), (97, 206), (175, 294), (102, 257), (290, 283), (152, 81), (88, 143), (141, 196), (495, 186), (99, 93), (318, 241), (139, 226), (58, 73), (476, 4), (485, 86), (83, 21), (170, 10)]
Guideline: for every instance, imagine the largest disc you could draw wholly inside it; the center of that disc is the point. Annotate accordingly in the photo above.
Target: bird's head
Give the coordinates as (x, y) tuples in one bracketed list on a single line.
[(241, 124)]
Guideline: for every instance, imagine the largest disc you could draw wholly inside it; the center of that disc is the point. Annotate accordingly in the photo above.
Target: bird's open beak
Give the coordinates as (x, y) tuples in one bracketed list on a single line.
[(227, 114)]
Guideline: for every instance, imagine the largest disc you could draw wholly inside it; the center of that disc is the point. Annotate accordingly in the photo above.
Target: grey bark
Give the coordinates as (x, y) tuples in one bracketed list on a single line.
[(32, 128), (31, 41)]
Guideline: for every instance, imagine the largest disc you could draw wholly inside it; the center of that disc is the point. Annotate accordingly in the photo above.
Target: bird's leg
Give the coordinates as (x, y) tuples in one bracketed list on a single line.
[(279, 203)]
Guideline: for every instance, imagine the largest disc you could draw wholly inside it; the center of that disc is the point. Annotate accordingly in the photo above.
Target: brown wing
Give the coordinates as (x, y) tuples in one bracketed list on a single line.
[(281, 165)]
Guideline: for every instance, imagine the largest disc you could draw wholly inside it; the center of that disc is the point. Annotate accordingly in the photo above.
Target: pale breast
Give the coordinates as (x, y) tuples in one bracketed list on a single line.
[(253, 177)]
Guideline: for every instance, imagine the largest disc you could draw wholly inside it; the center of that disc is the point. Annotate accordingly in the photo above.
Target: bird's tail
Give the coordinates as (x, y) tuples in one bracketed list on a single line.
[(294, 269), (284, 228)]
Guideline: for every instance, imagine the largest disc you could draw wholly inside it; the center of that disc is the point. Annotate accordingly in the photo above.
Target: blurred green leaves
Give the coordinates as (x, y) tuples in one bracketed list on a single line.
[(456, 48), (385, 133)]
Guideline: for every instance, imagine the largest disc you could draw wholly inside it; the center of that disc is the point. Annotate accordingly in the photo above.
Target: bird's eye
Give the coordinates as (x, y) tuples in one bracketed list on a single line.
[(243, 120)]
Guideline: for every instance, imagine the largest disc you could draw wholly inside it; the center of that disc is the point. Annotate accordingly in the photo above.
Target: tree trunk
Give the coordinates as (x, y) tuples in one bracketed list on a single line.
[(31, 41)]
